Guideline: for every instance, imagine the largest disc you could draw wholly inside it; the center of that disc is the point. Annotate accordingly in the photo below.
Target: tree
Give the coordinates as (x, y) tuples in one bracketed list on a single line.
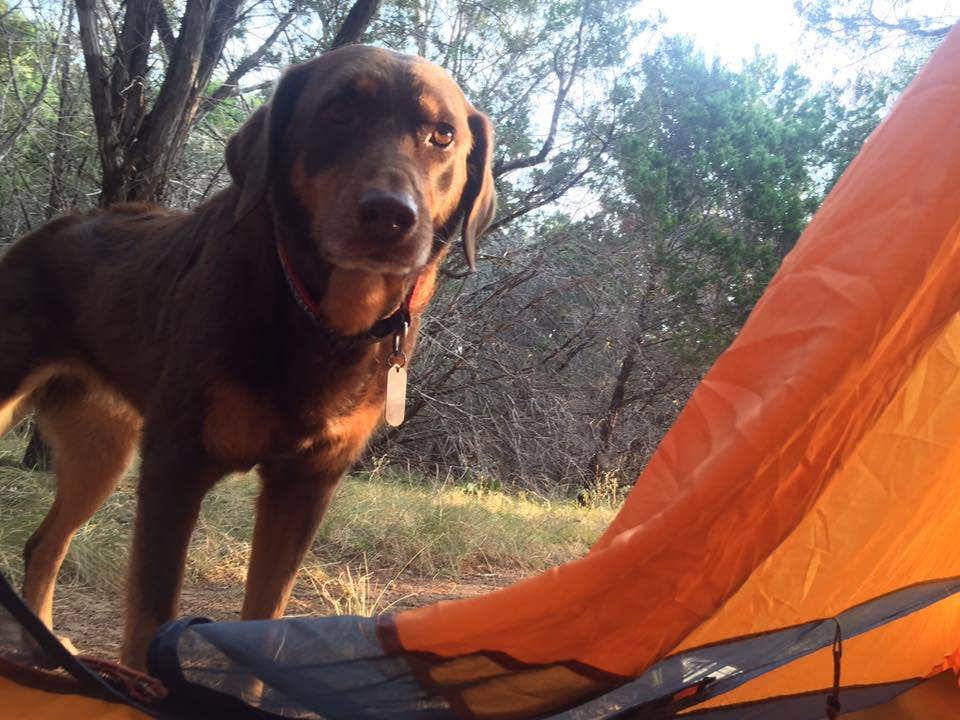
[(894, 28), (140, 135), (720, 170), (872, 24)]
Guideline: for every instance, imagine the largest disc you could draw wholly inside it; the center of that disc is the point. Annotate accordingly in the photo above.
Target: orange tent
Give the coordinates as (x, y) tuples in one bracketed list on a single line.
[(22, 702), (793, 538)]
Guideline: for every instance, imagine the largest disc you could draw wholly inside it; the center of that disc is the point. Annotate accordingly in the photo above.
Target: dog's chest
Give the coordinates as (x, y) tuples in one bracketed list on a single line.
[(241, 429)]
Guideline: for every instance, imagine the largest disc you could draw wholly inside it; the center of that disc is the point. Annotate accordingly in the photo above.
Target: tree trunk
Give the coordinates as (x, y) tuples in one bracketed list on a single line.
[(38, 455), (138, 149), (608, 424), (618, 397)]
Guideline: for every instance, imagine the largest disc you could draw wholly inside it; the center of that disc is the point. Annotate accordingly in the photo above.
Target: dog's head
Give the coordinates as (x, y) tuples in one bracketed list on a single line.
[(374, 155)]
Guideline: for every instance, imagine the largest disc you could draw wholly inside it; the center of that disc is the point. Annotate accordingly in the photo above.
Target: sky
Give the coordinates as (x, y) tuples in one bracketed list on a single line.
[(732, 29)]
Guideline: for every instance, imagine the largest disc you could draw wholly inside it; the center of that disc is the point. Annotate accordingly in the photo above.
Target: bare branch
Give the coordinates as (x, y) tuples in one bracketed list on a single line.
[(30, 109), (908, 27), (164, 31), (862, 21), (56, 198), (356, 23), (257, 87), (565, 83), (231, 86), (99, 82)]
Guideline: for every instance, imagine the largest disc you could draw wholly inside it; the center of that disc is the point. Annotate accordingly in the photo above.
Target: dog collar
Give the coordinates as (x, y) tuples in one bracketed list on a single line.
[(395, 324)]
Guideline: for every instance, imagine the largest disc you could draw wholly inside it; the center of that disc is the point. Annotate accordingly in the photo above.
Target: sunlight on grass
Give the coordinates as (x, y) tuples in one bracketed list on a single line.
[(384, 526), (444, 530), (352, 591)]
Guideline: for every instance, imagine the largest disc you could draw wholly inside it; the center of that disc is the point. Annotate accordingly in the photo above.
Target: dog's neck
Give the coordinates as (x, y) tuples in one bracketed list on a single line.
[(343, 302)]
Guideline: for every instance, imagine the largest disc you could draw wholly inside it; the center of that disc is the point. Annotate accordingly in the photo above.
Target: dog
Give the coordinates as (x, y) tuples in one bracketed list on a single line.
[(255, 331)]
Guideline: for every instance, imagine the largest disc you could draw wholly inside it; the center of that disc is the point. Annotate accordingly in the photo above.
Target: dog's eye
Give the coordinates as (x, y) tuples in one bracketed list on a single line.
[(339, 112), (442, 135)]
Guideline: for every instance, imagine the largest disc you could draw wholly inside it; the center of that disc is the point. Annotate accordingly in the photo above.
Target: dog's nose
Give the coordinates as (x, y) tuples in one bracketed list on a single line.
[(387, 215)]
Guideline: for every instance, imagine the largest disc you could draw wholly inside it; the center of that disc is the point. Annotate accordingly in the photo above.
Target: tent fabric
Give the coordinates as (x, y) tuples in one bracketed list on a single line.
[(937, 698), (40, 678), (335, 667), (717, 669), (330, 667), (934, 698), (811, 706), (22, 702), (813, 467)]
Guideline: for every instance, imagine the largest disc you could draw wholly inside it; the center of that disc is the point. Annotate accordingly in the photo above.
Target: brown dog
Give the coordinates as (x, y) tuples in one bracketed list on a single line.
[(255, 330)]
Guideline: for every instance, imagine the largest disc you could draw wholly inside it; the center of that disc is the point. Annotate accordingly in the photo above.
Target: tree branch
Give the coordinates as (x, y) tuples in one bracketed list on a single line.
[(225, 17), (130, 64), (231, 86), (164, 31), (565, 84), (7, 143), (156, 135), (908, 27), (99, 83), (356, 23)]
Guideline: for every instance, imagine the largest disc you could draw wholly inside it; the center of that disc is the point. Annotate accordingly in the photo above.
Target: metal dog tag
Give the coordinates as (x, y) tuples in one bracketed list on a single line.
[(396, 395)]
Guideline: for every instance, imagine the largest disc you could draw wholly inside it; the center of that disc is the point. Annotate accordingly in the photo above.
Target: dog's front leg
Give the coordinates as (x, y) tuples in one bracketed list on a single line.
[(174, 477), (292, 501)]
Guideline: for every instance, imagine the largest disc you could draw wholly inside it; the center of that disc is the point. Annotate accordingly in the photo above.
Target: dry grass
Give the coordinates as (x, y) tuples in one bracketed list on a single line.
[(380, 528)]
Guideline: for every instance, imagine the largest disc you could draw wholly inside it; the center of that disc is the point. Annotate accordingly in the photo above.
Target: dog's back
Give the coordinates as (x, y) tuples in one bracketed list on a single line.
[(93, 294)]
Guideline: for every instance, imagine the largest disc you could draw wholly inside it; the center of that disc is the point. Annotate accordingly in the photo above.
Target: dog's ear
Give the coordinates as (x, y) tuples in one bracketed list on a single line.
[(479, 199), (252, 154)]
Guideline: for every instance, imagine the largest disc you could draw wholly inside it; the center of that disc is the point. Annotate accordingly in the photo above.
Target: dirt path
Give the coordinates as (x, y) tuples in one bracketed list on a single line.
[(93, 619)]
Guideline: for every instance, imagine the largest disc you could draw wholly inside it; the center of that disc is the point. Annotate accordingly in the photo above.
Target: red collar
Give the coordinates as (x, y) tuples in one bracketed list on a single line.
[(393, 324)]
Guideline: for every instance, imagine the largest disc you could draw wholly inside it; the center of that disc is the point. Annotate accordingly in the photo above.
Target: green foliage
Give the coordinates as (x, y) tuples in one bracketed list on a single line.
[(855, 109), (720, 169)]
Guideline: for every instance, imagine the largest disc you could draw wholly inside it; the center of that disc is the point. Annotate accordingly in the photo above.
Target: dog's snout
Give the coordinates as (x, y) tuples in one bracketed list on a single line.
[(387, 215)]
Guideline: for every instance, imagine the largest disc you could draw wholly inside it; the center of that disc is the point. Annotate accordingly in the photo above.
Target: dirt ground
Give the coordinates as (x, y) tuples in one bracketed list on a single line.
[(93, 620)]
